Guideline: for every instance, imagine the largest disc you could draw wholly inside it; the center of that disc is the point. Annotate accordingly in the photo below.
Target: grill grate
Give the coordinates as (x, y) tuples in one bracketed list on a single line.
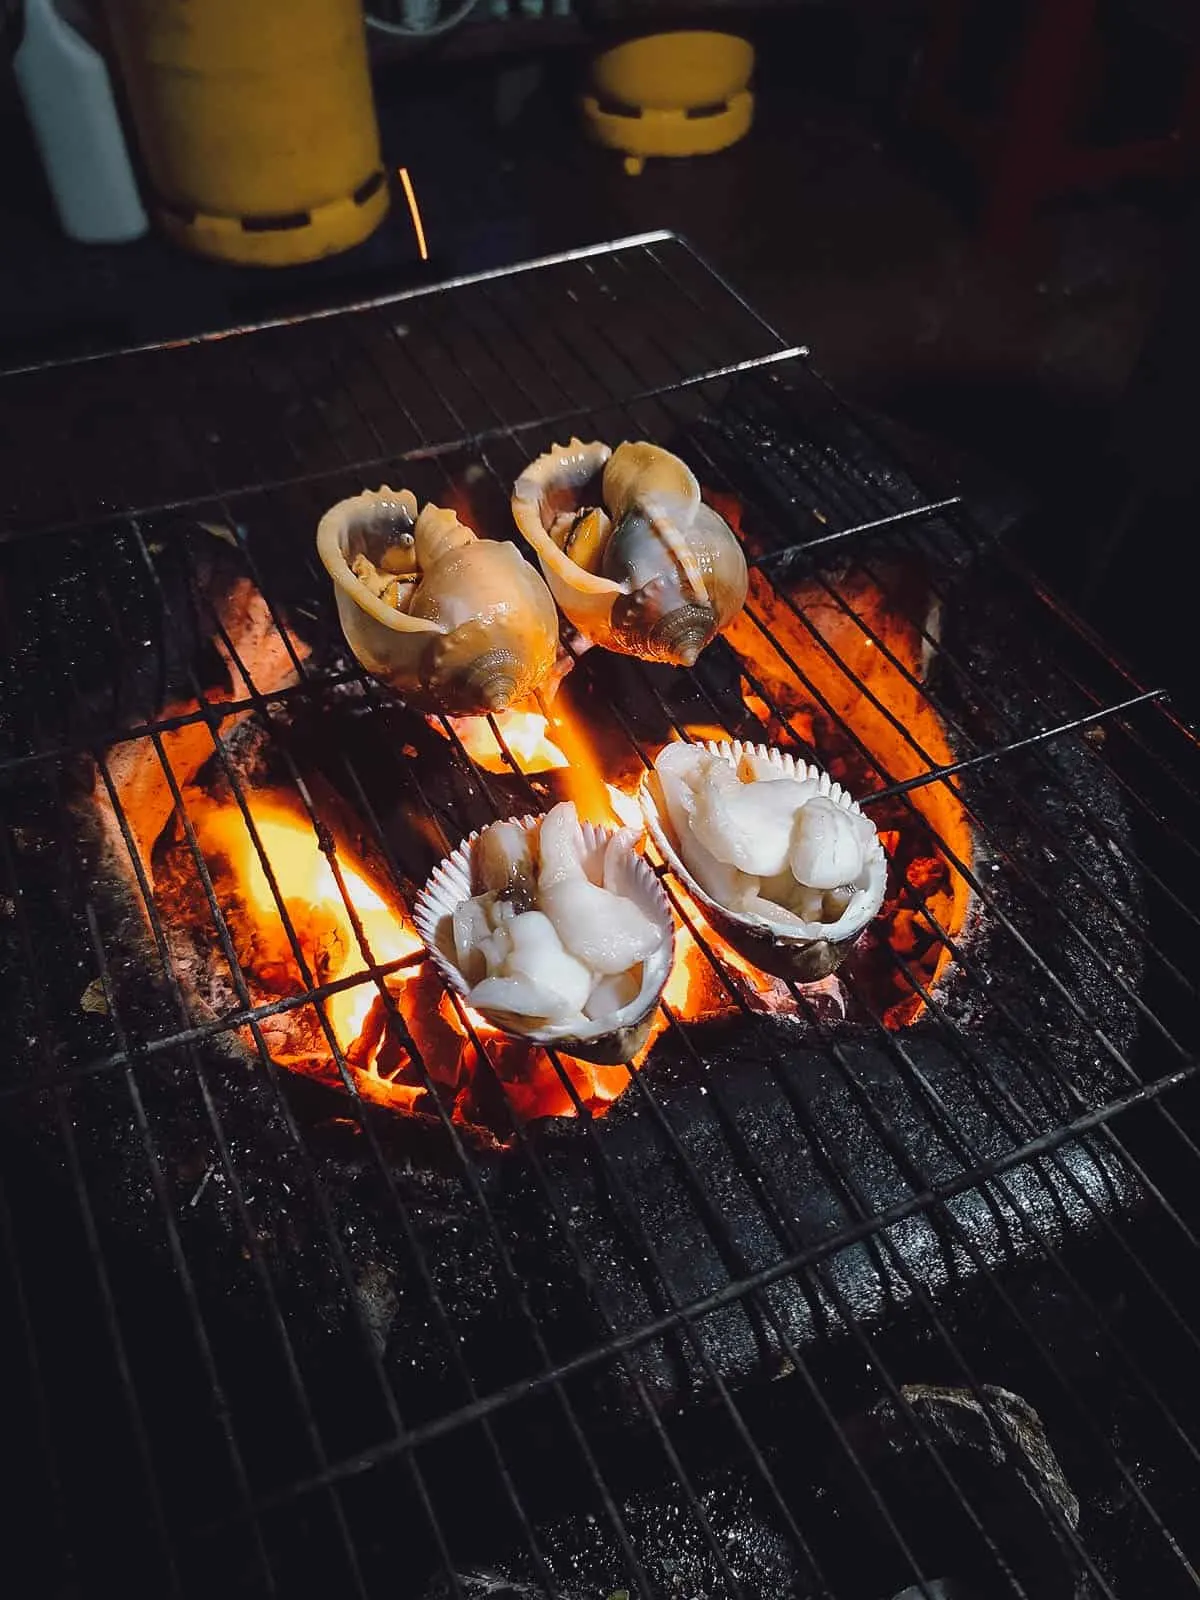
[(270, 1456)]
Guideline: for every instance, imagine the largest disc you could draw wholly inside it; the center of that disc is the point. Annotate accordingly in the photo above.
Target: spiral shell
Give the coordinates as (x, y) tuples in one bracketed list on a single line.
[(663, 573), (610, 1040), (802, 953), (479, 631)]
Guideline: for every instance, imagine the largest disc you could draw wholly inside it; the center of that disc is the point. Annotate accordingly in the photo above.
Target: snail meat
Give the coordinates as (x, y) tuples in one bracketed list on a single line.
[(783, 862), (553, 930)]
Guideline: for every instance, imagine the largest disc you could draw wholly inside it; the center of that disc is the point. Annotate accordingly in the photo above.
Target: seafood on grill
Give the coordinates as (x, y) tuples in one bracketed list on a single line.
[(782, 860), (554, 930), (452, 622), (635, 558)]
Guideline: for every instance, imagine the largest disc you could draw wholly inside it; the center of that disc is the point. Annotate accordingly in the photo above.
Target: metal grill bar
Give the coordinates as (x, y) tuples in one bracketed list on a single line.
[(903, 788), (794, 553), (1157, 953), (127, 1061), (963, 1047), (735, 1290), (853, 505), (224, 936), (563, 1223), (986, 757), (514, 763), (462, 386), (365, 1122), (1094, 820), (136, 1419), (279, 1326)]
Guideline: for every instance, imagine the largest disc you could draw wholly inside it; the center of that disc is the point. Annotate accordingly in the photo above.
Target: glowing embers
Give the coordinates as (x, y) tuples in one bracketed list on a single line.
[(315, 926), (331, 963), (323, 946), (842, 671)]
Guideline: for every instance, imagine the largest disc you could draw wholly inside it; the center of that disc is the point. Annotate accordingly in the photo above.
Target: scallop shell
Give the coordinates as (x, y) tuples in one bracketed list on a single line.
[(774, 947), (677, 575), (485, 661), (610, 1040)]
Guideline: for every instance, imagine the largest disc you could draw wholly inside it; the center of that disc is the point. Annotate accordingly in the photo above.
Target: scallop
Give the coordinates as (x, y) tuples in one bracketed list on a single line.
[(635, 558), (802, 930), (626, 945), (452, 622)]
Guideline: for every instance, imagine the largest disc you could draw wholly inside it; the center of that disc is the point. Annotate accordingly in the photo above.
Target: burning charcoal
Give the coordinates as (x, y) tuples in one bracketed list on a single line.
[(393, 1059), (747, 1067), (927, 873), (359, 1053), (265, 951), (1002, 1461)]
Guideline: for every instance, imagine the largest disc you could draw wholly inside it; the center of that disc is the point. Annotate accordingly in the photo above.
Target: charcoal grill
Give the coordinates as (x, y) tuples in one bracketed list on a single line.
[(831, 1301)]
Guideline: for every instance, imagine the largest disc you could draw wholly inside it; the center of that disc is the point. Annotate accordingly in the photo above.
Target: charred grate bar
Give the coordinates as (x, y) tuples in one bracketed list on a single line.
[(910, 1254)]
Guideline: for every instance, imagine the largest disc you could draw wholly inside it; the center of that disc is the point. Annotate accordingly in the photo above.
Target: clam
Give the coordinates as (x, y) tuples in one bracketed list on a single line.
[(782, 861), (555, 931), (637, 561), (452, 622)]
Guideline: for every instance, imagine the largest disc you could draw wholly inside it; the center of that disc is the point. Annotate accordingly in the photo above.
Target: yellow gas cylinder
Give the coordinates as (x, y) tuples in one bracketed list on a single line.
[(671, 94), (256, 123)]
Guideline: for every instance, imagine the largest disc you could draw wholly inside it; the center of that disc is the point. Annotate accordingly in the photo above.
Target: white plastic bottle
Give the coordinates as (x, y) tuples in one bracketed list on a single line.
[(68, 98)]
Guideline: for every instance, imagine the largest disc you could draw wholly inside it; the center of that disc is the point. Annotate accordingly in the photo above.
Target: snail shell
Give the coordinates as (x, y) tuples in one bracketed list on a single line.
[(608, 854), (663, 573), (478, 631), (803, 952)]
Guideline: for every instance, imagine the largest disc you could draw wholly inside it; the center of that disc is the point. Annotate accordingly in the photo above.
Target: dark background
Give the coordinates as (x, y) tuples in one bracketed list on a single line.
[(1052, 367)]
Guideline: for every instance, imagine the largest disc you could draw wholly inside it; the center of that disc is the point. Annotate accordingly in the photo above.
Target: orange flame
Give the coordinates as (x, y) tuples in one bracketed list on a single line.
[(546, 742), (902, 732), (314, 903), (585, 783), (360, 1018), (524, 734)]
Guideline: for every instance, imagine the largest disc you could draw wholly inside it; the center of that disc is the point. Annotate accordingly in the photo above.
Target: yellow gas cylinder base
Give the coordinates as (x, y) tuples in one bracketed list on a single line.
[(274, 241), (256, 122), (668, 133)]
